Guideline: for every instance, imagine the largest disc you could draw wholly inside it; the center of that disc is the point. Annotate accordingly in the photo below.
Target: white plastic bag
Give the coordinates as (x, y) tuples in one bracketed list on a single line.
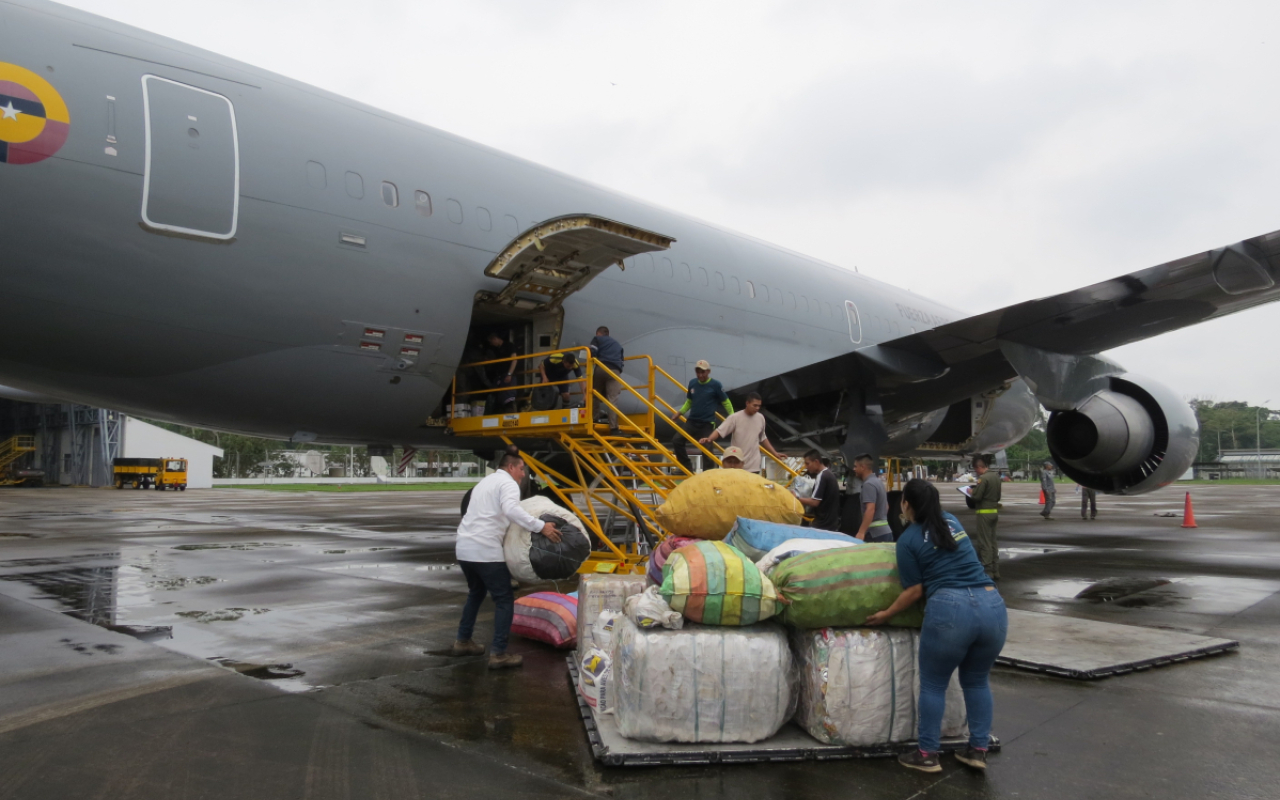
[(649, 610), (594, 673), (795, 546), (602, 631)]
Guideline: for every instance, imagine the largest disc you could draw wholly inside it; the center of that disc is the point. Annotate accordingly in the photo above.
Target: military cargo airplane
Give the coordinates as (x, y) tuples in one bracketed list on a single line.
[(189, 238)]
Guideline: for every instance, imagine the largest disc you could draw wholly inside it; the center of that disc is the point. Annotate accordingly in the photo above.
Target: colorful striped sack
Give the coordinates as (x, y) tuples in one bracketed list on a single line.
[(842, 587), (547, 617), (712, 583), (659, 557)]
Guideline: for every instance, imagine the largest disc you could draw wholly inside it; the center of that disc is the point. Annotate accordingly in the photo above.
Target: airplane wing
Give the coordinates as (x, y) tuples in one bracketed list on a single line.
[(935, 367)]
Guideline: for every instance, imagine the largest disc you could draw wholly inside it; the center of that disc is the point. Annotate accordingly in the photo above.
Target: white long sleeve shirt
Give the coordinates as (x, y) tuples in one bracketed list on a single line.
[(495, 504)]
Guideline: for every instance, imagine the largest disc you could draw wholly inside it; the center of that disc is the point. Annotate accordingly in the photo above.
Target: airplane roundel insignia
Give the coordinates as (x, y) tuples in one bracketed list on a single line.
[(34, 120)]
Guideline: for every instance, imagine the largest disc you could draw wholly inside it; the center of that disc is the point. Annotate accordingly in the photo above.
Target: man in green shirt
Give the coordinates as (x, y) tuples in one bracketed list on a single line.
[(986, 501), (703, 397)]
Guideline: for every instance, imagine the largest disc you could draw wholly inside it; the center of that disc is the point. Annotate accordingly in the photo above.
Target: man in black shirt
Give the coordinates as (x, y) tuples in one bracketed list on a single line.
[(825, 502), (501, 374), (560, 367)]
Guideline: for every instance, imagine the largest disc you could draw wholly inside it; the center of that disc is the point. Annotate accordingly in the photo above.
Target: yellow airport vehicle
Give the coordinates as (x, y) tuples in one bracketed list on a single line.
[(11, 450), (604, 476), (149, 473)]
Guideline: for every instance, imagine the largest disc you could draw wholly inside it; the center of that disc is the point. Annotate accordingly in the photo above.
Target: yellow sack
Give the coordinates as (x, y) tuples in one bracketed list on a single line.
[(706, 505)]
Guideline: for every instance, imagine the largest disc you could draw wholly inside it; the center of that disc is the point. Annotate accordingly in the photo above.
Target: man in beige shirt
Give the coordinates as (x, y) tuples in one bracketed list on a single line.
[(745, 430)]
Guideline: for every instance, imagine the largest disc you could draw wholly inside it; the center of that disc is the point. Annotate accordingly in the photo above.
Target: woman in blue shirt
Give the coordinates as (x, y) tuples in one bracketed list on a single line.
[(965, 623)]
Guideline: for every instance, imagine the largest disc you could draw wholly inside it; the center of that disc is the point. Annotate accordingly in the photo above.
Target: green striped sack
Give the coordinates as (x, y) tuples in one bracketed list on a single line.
[(715, 584), (841, 588)]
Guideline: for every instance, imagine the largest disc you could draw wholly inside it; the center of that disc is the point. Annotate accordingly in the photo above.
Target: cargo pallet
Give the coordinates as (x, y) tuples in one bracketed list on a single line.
[(789, 744)]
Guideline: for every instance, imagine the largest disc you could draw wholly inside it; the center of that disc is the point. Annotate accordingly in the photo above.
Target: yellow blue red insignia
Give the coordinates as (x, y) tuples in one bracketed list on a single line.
[(34, 120)]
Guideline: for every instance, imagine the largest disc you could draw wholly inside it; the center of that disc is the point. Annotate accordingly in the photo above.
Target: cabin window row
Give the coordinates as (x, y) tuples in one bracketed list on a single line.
[(664, 267)]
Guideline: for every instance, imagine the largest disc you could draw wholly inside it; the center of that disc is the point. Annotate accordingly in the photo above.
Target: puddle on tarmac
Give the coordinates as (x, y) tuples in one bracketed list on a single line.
[(436, 568), (20, 536), (1201, 594), (220, 615), (265, 672), (235, 546), (1027, 552), (357, 550), (57, 562)]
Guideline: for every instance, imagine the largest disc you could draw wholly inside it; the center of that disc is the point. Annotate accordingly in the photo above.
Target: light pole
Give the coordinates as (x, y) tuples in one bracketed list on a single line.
[(1258, 441)]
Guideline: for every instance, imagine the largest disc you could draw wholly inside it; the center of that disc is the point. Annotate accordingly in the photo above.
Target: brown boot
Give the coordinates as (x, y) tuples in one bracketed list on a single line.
[(505, 660), (467, 648)]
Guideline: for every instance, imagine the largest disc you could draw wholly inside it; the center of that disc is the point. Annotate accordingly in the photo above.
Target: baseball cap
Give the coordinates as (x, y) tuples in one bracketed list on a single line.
[(703, 365), (732, 452)]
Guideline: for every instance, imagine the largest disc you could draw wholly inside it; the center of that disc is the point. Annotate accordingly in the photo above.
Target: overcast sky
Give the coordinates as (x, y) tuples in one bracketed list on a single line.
[(981, 153)]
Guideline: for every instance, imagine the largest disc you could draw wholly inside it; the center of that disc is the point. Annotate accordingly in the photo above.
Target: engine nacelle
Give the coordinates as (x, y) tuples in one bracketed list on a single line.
[(1131, 438)]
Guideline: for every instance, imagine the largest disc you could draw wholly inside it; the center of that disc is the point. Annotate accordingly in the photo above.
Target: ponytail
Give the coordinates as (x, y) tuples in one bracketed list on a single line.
[(926, 507)]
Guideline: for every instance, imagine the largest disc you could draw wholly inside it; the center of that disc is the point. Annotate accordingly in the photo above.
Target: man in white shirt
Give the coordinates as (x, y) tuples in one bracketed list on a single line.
[(745, 430), (495, 505)]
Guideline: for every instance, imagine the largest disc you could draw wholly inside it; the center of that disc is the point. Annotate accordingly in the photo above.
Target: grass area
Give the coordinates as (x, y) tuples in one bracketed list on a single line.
[(354, 487), (1233, 482)]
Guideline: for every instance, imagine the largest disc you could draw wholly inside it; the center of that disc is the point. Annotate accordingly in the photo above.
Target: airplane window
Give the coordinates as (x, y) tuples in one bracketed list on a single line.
[(702, 276), (791, 301), (827, 307), (422, 201), (355, 185), (455, 210), (685, 272), (645, 261), (513, 227), (483, 219), (719, 281), (667, 270), (737, 286), (751, 289), (776, 296), (316, 175), (764, 293), (390, 194)]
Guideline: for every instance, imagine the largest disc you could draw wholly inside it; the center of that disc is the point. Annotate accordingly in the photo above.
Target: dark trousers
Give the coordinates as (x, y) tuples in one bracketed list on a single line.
[(494, 578), (698, 430), (1088, 503)]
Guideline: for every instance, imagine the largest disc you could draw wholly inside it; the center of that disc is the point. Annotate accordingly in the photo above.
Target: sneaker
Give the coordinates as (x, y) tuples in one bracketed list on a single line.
[(972, 756), (467, 648), (918, 759), (505, 660)]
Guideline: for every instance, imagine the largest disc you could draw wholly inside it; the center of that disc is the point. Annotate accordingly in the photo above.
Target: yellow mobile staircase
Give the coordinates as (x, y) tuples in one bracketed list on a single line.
[(609, 475), (10, 451)]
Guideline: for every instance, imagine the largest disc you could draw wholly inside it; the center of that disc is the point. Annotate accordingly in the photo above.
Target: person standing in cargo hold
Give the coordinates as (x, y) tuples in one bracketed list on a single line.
[(607, 350), (824, 503), (965, 624), (986, 502), (703, 396), (495, 505), (501, 373), (874, 523), (745, 431)]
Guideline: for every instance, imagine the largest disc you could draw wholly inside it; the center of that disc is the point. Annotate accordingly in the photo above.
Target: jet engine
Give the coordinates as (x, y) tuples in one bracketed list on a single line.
[(1130, 438)]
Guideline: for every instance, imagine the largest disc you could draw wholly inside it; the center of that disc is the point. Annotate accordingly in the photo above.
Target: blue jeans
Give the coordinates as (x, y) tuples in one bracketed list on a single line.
[(965, 629), (494, 578)]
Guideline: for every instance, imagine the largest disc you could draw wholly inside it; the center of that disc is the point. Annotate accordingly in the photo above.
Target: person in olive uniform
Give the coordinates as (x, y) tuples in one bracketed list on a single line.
[(986, 501)]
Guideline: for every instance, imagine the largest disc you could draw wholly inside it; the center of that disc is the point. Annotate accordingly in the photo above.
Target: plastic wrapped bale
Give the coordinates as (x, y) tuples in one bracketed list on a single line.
[(707, 505), (701, 684), (842, 587), (659, 556), (757, 537), (794, 547), (713, 583), (860, 686), (532, 557), (598, 593), (547, 617)]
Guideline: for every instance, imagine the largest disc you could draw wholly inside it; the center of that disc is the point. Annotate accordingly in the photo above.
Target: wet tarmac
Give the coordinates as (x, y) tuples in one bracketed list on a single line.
[(234, 643)]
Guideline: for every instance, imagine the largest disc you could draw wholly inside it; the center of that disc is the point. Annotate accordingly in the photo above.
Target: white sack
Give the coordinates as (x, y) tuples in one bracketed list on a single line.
[(516, 543), (778, 554), (860, 686), (598, 593), (593, 679), (701, 684), (602, 630), (649, 610), (804, 485)]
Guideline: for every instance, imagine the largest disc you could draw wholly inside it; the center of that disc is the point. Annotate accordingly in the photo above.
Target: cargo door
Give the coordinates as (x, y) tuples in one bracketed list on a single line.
[(191, 178)]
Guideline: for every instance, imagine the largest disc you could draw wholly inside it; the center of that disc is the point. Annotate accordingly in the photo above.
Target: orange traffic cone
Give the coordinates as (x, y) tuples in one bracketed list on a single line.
[(1042, 497), (1188, 515)]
